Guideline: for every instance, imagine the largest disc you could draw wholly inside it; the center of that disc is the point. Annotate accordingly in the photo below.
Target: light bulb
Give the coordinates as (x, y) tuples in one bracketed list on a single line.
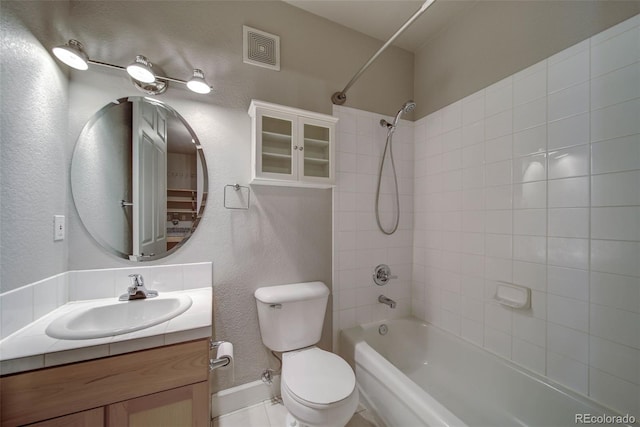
[(140, 69), (72, 54), (197, 83)]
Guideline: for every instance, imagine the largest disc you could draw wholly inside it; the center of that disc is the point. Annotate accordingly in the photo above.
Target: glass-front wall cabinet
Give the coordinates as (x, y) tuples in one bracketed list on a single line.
[(292, 147)]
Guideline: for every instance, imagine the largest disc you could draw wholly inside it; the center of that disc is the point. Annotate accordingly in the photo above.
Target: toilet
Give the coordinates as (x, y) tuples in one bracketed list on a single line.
[(318, 387)]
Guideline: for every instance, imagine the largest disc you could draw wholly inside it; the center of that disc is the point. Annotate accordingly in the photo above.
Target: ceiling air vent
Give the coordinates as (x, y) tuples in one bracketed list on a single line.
[(261, 49)]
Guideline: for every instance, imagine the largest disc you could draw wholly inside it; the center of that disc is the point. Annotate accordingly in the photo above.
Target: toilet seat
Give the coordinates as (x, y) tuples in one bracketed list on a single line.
[(317, 378)]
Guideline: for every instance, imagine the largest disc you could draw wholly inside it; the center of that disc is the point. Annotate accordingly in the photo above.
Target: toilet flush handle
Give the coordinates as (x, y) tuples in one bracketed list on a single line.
[(275, 306)]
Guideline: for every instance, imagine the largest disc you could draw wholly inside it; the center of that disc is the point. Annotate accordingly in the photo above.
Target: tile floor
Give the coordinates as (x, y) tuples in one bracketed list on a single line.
[(272, 414)]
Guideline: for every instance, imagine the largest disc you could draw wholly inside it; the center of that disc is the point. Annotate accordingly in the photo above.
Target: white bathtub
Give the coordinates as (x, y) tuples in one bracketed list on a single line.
[(417, 375)]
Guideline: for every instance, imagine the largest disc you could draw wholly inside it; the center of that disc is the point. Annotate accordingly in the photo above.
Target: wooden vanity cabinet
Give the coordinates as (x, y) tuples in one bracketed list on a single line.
[(161, 386)]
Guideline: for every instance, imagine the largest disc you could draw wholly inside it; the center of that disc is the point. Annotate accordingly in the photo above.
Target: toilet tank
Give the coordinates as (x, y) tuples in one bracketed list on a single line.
[(291, 316)]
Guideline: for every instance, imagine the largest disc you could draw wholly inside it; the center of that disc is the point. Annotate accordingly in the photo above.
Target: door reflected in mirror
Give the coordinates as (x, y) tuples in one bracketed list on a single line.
[(139, 179)]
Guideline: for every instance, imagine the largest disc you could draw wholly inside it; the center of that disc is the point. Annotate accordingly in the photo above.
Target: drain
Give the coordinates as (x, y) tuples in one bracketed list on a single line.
[(383, 329)]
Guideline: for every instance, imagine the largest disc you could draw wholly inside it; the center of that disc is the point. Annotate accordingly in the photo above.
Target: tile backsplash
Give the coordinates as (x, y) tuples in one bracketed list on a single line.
[(535, 180), (24, 305)]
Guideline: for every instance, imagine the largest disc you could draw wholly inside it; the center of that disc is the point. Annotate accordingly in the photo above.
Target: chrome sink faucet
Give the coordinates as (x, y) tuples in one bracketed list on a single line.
[(388, 301), (137, 289)]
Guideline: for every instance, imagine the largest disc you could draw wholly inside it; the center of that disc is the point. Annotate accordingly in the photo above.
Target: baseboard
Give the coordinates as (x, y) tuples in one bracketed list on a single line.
[(234, 398)]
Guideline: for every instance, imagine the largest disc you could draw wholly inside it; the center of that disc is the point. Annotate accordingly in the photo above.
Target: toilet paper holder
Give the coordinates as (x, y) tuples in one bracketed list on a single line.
[(218, 362)]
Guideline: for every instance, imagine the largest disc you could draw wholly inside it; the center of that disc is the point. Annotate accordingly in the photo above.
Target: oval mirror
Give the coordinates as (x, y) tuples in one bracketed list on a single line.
[(139, 178)]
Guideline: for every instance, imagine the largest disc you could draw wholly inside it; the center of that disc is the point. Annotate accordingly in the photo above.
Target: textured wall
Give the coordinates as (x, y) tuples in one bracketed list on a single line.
[(33, 125), (495, 39), (285, 236)]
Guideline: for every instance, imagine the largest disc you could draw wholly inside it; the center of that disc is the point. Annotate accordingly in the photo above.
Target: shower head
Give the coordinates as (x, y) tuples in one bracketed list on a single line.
[(406, 108)]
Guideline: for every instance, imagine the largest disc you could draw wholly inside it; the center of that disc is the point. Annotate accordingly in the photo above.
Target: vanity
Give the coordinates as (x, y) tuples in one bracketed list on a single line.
[(161, 386), (155, 375)]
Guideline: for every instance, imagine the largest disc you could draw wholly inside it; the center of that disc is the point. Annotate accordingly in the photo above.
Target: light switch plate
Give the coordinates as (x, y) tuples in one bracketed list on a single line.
[(59, 227)]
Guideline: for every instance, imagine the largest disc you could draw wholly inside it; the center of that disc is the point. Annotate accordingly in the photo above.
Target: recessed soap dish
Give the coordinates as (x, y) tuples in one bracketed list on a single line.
[(513, 296)]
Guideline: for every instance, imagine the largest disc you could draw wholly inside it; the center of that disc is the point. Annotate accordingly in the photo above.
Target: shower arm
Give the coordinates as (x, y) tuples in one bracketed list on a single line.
[(339, 98)]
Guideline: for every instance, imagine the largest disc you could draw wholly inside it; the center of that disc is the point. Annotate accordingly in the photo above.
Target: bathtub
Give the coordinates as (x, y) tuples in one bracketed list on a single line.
[(418, 375)]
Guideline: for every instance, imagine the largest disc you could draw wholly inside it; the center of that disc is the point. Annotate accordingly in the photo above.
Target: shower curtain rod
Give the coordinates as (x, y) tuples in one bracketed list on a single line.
[(339, 98)]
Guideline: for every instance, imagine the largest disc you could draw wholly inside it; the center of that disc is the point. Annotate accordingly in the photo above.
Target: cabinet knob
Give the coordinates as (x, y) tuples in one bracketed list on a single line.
[(301, 148), (295, 147)]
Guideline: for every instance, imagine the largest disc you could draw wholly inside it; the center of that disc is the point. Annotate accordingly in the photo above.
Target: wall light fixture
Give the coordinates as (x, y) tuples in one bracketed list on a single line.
[(144, 75)]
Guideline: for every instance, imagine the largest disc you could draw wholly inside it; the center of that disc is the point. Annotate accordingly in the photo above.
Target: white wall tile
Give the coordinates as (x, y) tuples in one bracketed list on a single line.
[(530, 141), (532, 222), (617, 393), (568, 312), (614, 53), (530, 248), (499, 97), (615, 121), (610, 256), (615, 359), (568, 282), (499, 221), (529, 355), (615, 223), (530, 115), (530, 83), (498, 197), (473, 108), (92, 284), (530, 275), (530, 195), (568, 342), (499, 148), (616, 189), (616, 291), (530, 168), (569, 230), (568, 372), (472, 155), (499, 125), (498, 173), (569, 162), (569, 131), (570, 71), (569, 222), (569, 192), (472, 331), (615, 87), (473, 134), (569, 102), (616, 325), (17, 310), (567, 252), (452, 116), (616, 155), (497, 342), (530, 329)]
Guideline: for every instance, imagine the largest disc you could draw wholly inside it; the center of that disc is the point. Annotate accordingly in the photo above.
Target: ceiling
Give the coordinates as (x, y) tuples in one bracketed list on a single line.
[(382, 18)]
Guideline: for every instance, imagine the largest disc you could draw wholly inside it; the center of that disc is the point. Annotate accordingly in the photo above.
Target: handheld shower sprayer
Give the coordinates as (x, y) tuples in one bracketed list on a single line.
[(408, 107)]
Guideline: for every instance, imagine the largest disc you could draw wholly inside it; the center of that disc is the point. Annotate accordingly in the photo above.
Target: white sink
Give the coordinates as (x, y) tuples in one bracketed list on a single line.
[(98, 320)]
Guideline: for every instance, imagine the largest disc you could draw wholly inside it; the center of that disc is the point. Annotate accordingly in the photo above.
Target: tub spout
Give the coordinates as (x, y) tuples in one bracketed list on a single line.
[(384, 300)]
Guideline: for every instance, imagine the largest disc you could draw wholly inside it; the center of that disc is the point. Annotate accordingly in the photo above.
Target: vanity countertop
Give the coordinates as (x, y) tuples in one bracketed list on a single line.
[(31, 348)]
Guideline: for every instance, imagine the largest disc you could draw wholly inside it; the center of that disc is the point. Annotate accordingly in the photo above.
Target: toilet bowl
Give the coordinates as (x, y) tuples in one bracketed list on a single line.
[(318, 387)]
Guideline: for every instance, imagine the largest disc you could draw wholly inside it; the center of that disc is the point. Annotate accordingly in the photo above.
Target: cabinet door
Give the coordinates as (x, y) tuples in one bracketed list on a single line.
[(184, 406), (316, 151), (276, 146), (90, 418)]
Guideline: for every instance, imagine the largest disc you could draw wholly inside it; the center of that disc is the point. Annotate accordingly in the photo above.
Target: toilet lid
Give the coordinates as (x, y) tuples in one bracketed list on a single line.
[(318, 376)]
